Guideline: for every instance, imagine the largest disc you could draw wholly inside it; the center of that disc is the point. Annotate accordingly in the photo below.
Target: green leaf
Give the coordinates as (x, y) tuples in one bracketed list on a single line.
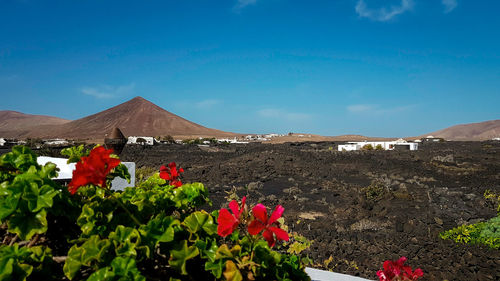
[(93, 250), (120, 171), (40, 253), (126, 267), (200, 220), (75, 153), (12, 263), (208, 248), (27, 224), (225, 253), (103, 274), (190, 195), (126, 240), (121, 269), (9, 200), (160, 229), (48, 171), (232, 273), (96, 217), (180, 254), (215, 267), (23, 158)]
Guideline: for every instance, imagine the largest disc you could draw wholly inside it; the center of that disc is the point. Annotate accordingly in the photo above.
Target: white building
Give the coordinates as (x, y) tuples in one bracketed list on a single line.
[(233, 140), (386, 145), (2, 141), (142, 140), (56, 142)]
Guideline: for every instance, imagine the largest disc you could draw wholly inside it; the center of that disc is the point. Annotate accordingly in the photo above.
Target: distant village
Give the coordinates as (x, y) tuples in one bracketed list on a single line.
[(399, 144)]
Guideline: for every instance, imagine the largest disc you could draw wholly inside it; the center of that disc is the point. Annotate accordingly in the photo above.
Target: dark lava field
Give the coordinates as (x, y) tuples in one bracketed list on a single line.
[(359, 208)]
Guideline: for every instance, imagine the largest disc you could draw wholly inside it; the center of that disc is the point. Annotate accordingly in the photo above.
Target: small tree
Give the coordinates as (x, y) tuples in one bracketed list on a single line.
[(367, 147), (168, 139), (379, 147)]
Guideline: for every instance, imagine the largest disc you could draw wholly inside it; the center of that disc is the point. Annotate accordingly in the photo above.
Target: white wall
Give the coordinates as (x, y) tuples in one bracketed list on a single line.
[(133, 140), (387, 145)]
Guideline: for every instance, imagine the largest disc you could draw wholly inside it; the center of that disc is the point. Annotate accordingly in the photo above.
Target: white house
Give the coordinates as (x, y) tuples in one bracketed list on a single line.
[(56, 142), (386, 145), (2, 141), (142, 140), (233, 140)]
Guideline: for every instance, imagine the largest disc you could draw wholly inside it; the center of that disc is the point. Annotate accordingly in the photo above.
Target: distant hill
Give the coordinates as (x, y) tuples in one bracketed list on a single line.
[(136, 117), (13, 123), (473, 131)]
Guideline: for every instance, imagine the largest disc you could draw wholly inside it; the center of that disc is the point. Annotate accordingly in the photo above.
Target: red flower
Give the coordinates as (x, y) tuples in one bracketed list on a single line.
[(396, 269), (229, 222), (93, 169), (270, 226), (171, 174)]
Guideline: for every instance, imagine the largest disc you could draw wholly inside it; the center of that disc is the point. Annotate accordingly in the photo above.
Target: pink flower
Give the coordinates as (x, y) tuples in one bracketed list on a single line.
[(229, 222), (171, 174), (396, 270), (270, 226)]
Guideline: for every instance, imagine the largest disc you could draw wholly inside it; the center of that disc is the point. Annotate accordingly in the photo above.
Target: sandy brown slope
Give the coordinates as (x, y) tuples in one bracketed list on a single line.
[(12, 123), (473, 131), (137, 117)]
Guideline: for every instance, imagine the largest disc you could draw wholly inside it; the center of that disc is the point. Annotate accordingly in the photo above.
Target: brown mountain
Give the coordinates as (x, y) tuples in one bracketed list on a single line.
[(13, 123), (137, 117), (473, 131)]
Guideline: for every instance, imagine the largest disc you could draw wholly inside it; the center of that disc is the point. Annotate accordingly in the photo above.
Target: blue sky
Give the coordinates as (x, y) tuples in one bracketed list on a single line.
[(330, 67)]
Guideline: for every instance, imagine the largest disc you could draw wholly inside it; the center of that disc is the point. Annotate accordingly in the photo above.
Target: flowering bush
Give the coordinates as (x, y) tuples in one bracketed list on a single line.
[(171, 174), (153, 231), (270, 227), (397, 271), (93, 169)]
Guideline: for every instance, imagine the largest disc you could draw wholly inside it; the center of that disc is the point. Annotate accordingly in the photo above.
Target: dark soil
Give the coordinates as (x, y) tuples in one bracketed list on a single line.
[(414, 196)]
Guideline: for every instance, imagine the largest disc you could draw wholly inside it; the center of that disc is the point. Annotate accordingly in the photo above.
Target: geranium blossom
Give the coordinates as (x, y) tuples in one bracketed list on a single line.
[(269, 225), (228, 222), (93, 169), (171, 174), (396, 270)]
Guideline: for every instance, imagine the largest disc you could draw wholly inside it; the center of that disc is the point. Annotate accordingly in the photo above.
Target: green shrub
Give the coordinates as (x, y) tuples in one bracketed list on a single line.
[(374, 191), (367, 147), (144, 172), (493, 198), (486, 233)]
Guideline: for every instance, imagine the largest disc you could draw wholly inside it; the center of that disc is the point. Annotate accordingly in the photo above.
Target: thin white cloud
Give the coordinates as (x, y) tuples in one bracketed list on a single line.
[(375, 109), (281, 114), (449, 5), (106, 92), (384, 13), (243, 3), (205, 104)]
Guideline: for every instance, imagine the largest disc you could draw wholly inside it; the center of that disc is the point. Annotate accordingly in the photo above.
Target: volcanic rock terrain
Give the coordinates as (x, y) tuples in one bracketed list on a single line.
[(359, 207)]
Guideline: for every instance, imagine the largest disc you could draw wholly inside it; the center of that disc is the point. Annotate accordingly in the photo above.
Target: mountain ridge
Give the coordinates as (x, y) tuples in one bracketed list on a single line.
[(136, 117), (478, 131)]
